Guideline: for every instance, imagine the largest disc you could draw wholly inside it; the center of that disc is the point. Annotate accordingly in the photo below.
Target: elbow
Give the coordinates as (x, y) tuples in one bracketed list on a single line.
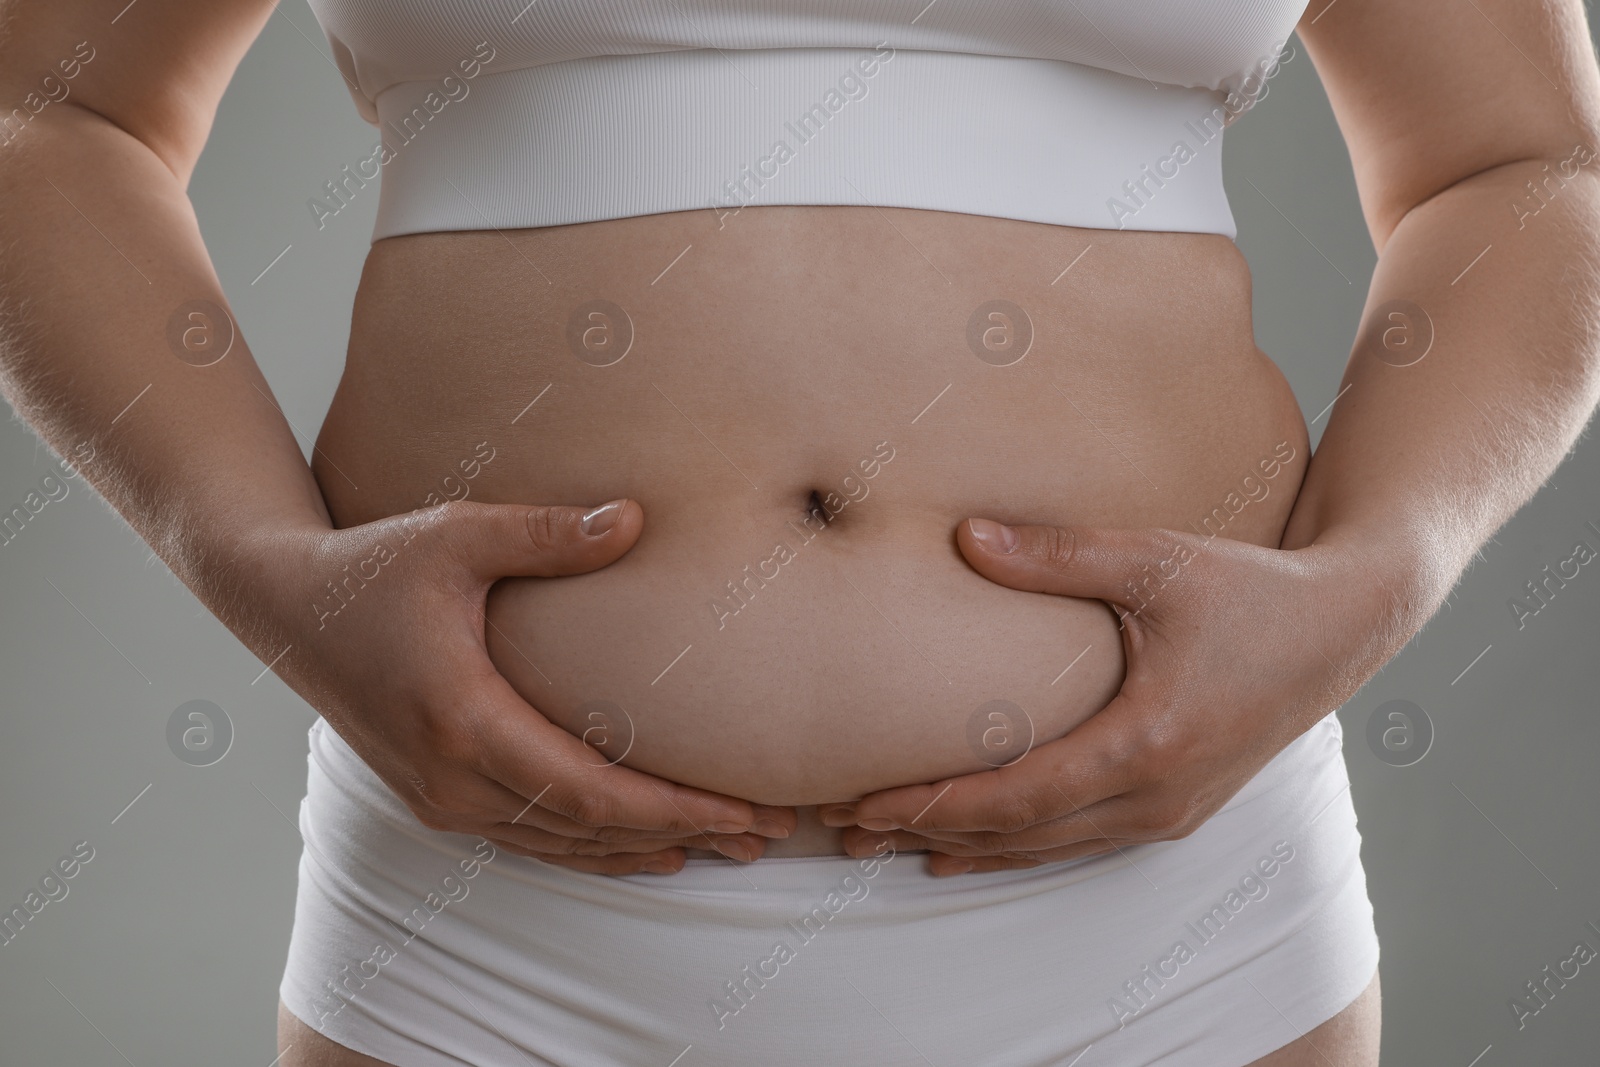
[(1507, 194)]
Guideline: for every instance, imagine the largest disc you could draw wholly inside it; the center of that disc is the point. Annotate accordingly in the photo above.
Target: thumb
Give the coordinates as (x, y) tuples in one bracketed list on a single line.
[(1120, 566), (496, 541)]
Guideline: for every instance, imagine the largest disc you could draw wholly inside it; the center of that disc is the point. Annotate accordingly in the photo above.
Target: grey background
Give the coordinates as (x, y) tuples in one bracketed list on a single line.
[(172, 939)]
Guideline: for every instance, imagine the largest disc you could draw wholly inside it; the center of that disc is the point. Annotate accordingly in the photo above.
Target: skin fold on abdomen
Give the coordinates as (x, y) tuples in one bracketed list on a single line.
[(806, 402)]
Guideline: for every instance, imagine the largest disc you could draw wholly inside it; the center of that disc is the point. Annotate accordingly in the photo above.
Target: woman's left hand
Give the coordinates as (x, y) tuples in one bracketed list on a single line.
[(1233, 650)]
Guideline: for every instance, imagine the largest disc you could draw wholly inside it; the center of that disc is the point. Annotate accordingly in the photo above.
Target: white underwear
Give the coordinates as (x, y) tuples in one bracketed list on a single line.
[(430, 949)]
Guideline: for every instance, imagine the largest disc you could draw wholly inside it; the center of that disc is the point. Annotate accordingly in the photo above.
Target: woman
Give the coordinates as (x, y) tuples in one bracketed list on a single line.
[(814, 298)]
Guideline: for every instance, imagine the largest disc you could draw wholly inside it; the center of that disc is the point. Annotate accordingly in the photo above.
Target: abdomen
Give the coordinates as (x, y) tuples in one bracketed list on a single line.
[(738, 381)]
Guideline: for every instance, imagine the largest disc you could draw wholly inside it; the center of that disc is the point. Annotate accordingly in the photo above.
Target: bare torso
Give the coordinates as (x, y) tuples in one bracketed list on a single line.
[(732, 379)]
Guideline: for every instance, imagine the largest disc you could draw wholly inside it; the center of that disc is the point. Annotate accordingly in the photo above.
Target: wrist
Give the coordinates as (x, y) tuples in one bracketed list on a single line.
[(1391, 581), (247, 573)]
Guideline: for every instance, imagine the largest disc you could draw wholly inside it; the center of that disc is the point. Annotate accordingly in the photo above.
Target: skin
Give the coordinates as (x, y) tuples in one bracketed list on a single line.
[(1412, 475), (413, 690), (1418, 467), (807, 695)]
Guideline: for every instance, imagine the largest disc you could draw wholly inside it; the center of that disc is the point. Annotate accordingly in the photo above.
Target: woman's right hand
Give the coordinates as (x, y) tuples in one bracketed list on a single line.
[(198, 459), (397, 664)]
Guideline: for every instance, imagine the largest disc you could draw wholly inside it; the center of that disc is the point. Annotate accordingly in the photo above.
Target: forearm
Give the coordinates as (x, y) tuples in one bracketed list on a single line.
[(99, 248), (1420, 464)]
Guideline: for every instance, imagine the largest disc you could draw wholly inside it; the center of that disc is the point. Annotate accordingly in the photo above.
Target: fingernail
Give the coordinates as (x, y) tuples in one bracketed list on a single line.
[(768, 828), (839, 817), (602, 518), (876, 824), (729, 827), (735, 850), (955, 867), (660, 867), (993, 536)]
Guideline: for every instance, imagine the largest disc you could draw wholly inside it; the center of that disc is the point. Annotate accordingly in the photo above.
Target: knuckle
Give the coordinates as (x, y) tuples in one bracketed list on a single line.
[(1169, 818), (1056, 547), (547, 528), (1116, 756), (589, 809), (1123, 752), (1183, 819), (1016, 813), (441, 529), (1150, 747), (450, 514), (616, 834), (1164, 819)]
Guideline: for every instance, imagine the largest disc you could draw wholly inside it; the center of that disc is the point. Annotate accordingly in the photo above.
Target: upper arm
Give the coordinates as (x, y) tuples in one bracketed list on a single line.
[(155, 68), (1429, 92)]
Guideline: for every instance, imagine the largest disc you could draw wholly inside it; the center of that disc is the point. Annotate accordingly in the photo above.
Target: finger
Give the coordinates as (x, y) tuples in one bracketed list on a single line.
[(470, 803), (1125, 819), (485, 805), (946, 863), (1093, 762), (495, 541), (943, 860), (538, 774), (464, 800), (534, 816), (769, 822), (837, 814), (1124, 567), (1068, 830), (537, 759), (950, 859), (1129, 819), (668, 861), (864, 843), (773, 821), (745, 847)]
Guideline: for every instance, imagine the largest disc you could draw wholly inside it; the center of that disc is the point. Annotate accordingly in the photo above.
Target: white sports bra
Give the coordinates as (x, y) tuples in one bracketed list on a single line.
[(513, 113)]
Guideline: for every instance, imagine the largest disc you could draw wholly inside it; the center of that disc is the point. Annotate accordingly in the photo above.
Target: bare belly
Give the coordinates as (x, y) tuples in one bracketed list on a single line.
[(806, 403)]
